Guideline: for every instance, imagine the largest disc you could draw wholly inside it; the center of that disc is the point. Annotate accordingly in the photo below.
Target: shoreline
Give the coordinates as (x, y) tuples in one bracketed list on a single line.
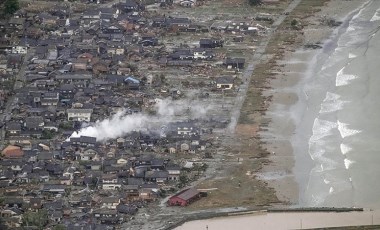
[(288, 102), (255, 212), (272, 126)]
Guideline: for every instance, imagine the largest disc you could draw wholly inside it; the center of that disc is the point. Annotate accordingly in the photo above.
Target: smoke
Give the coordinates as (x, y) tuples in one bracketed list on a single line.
[(122, 123)]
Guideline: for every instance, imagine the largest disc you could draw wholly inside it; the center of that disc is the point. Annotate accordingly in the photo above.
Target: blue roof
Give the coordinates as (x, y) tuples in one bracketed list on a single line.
[(133, 80)]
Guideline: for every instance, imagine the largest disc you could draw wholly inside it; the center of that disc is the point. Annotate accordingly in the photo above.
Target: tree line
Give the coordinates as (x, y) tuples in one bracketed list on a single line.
[(10, 6)]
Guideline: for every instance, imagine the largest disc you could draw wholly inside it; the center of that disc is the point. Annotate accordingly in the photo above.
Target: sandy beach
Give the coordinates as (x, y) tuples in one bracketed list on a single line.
[(280, 123), (285, 105), (289, 220)]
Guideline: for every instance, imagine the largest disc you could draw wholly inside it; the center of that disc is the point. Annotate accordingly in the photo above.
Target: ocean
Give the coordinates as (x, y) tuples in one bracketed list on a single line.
[(338, 133)]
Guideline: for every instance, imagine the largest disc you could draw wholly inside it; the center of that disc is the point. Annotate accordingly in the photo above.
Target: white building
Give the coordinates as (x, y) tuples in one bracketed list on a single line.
[(19, 49), (79, 114), (110, 182)]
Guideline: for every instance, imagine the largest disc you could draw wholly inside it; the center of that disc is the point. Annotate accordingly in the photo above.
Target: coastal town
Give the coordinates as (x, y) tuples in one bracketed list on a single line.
[(158, 81)]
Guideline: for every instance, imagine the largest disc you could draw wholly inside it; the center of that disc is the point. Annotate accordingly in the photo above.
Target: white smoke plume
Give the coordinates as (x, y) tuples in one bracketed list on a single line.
[(122, 123)]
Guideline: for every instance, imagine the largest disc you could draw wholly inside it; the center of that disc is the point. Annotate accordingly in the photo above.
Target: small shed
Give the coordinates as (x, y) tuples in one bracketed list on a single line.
[(185, 197)]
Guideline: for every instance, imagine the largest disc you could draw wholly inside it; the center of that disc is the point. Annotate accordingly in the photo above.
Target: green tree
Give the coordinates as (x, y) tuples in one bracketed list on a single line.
[(48, 134), (294, 23), (11, 6), (183, 180), (37, 219), (60, 227), (254, 2)]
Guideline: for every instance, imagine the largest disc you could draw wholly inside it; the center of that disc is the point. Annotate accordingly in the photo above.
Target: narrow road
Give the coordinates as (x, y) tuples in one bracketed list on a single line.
[(11, 102), (257, 56)]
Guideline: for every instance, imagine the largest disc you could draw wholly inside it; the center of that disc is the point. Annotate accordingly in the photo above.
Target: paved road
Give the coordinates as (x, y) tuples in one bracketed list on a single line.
[(258, 54)]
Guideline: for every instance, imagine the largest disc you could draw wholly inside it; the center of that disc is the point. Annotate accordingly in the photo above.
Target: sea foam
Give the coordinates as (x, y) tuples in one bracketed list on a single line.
[(331, 103), (345, 131), (343, 79), (351, 55), (376, 16), (348, 163), (345, 148), (322, 128)]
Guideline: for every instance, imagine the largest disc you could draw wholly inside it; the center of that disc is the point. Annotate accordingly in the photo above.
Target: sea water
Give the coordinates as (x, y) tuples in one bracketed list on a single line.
[(339, 129)]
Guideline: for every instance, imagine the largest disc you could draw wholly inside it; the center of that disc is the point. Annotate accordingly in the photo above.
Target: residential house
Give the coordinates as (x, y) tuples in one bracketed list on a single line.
[(184, 128), (159, 22), (182, 54), (110, 202), (50, 99), (177, 23), (89, 154), (107, 216), (13, 129), (115, 48), (70, 78), (12, 152), (203, 54), (210, 43), (56, 216), (187, 3), (53, 188), (34, 123), (92, 14), (79, 114), (87, 142), (19, 49), (225, 82), (13, 215), (122, 161), (16, 202), (159, 177), (16, 23), (148, 41), (67, 91), (132, 83), (110, 182), (174, 172), (35, 203), (127, 209), (132, 191), (128, 6), (147, 194), (234, 63), (109, 12)]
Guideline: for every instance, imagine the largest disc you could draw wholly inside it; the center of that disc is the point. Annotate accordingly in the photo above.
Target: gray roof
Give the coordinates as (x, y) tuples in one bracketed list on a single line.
[(187, 194), (110, 200), (79, 110), (74, 77), (225, 80), (14, 126), (156, 174), (33, 122)]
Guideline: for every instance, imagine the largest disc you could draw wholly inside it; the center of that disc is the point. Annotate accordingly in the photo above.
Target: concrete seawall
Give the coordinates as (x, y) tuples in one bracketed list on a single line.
[(210, 215)]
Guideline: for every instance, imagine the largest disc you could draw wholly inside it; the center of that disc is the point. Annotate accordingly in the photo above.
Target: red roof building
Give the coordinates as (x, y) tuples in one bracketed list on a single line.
[(12, 151), (185, 197)]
